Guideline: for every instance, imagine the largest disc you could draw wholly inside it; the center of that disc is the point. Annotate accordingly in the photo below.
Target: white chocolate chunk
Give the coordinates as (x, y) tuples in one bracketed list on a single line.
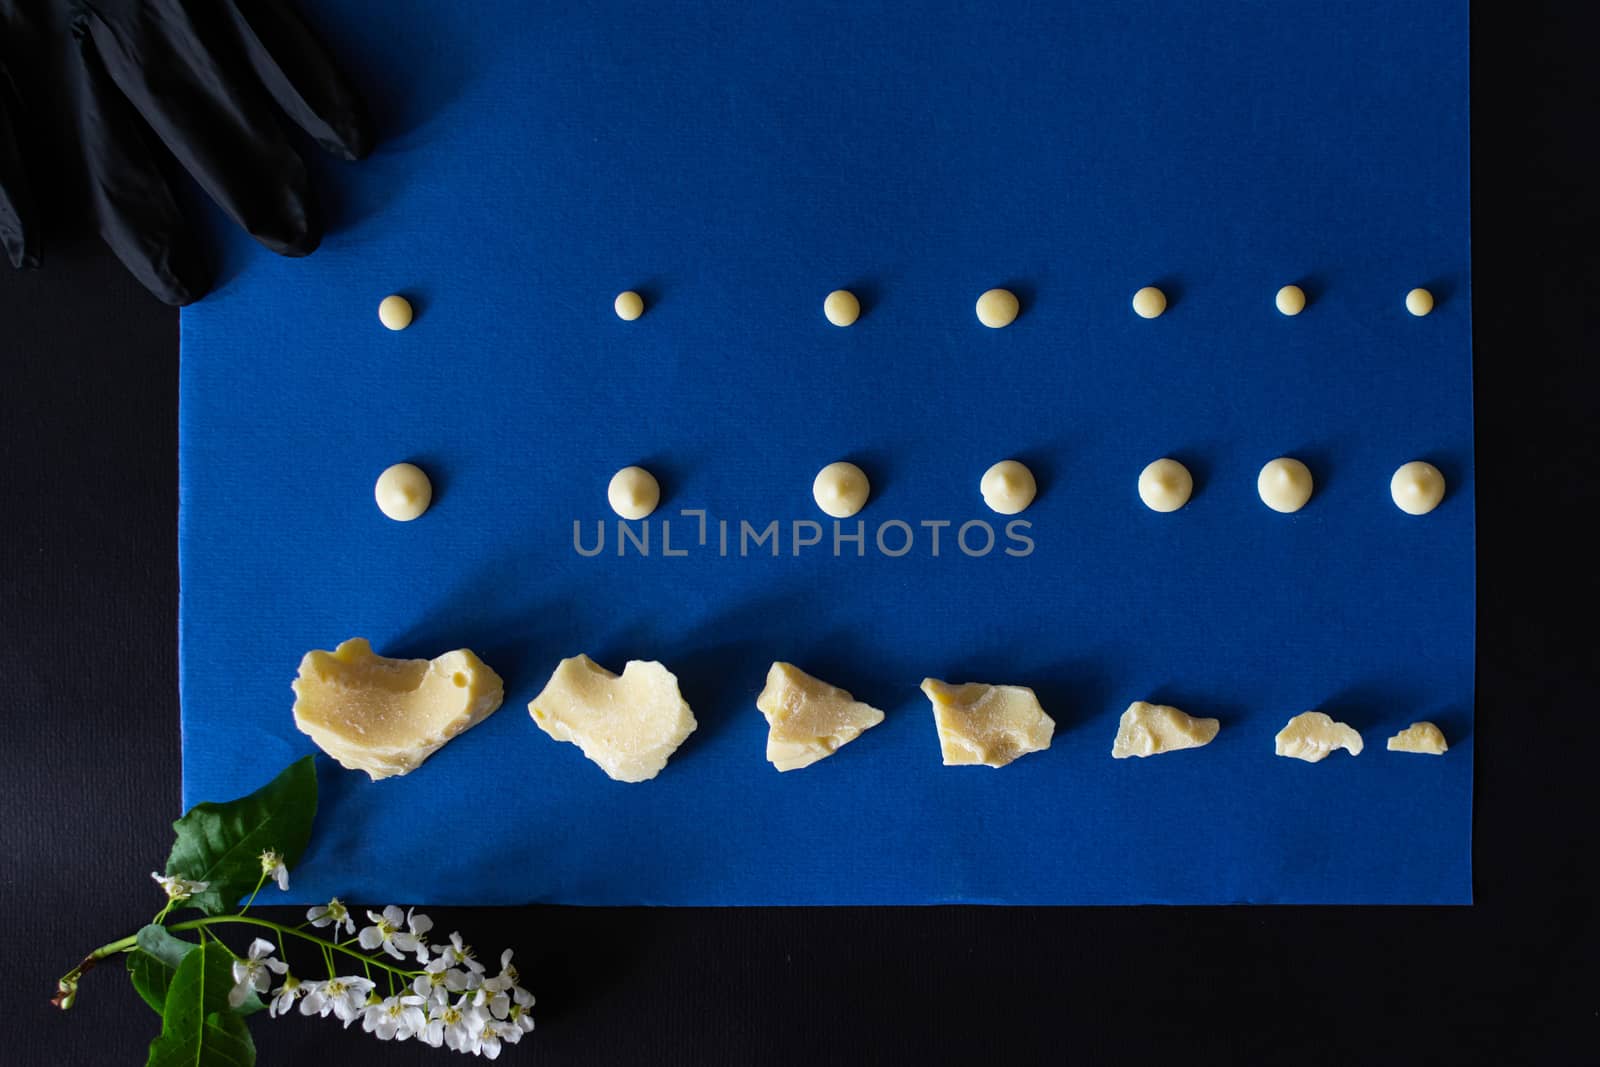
[(1151, 729), (1417, 487), (403, 492), (987, 724), (385, 716), (1284, 485), (1008, 487), (841, 307), (395, 312), (1419, 302), (1312, 736), (841, 489), (998, 308), (1165, 485), (1149, 302), (629, 724), (375, 764), (1423, 737), (633, 492), (628, 305), (808, 719), (1291, 300)]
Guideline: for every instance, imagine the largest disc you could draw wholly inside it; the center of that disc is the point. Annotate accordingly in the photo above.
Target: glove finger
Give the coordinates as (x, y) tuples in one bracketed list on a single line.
[(299, 72), (19, 229), (223, 132), (133, 203)]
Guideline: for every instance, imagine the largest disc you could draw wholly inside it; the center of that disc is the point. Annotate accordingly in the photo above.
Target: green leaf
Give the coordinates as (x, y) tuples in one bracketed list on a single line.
[(197, 1027), (228, 1042), (165, 946), (152, 965), (151, 979), (221, 844)]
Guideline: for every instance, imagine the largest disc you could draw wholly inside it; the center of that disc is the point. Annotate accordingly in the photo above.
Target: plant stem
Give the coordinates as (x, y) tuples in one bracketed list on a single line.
[(129, 943), (126, 944), (67, 984), (66, 988), (259, 883), (251, 920)]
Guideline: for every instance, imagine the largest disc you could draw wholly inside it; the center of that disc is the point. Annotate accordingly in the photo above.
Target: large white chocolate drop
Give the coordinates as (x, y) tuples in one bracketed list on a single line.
[(841, 307), (1165, 485), (395, 312), (1291, 300), (633, 492), (998, 308), (1149, 302), (628, 305), (1008, 487), (1419, 302), (1284, 485), (841, 489), (1417, 487), (403, 492)]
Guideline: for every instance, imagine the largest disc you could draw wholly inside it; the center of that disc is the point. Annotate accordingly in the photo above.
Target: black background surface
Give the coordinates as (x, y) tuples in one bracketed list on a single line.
[(89, 761)]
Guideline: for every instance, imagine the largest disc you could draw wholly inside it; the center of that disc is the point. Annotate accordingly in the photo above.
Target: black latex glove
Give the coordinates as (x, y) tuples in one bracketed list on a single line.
[(99, 86)]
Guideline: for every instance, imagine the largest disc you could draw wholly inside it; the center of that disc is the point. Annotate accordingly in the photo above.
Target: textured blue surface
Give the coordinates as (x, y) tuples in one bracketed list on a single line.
[(735, 166)]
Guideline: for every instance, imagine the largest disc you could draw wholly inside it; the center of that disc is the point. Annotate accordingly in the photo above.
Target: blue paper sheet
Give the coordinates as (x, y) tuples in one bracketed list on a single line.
[(734, 163)]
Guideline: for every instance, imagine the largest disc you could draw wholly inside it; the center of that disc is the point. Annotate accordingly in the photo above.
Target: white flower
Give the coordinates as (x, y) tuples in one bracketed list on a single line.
[(272, 866), (521, 1015), (497, 992), (346, 998), (357, 999), (432, 1033), (460, 955), (333, 912), (385, 932), (438, 980), (178, 888), (430, 983), (415, 939), (458, 981), (395, 1018), (284, 996), (317, 999), (251, 972), (455, 1025), (489, 1039), (314, 998)]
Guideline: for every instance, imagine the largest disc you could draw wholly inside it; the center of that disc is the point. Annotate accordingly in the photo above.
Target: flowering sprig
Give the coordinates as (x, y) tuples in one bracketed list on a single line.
[(204, 989)]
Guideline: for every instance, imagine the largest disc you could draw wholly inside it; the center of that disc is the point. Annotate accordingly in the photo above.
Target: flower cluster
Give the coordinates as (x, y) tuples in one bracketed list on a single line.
[(386, 974), (450, 1002)]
